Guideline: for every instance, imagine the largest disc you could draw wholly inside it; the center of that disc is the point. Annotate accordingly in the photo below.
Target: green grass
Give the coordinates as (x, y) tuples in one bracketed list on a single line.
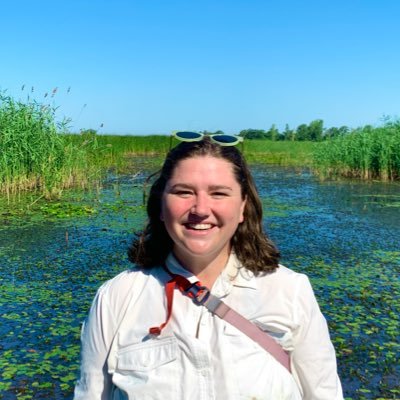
[(35, 155), (285, 153), (266, 151), (366, 153), (117, 150)]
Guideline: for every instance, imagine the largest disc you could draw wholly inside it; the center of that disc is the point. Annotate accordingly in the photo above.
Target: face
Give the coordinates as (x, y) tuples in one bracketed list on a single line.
[(202, 206)]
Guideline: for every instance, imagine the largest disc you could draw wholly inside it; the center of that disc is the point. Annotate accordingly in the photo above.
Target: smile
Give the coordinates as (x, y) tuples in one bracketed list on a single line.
[(199, 227)]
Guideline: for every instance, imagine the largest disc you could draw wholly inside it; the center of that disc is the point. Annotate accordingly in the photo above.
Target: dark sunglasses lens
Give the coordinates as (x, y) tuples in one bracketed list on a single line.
[(188, 135), (226, 139)]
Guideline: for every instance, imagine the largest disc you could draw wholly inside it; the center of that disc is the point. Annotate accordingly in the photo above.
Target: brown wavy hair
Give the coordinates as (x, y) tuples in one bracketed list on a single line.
[(252, 246)]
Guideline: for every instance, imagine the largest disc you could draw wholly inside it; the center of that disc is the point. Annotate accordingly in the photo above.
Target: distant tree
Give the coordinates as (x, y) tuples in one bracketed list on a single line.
[(288, 134), (315, 130), (281, 136), (343, 130), (331, 132), (302, 132), (334, 131), (253, 133), (272, 133), (368, 128)]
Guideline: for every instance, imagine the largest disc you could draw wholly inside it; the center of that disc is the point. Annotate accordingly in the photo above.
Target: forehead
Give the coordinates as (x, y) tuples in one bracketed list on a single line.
[(204, 167)]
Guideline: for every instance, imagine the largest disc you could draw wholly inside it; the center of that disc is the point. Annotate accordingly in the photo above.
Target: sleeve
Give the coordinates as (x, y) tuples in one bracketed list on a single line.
[(96, 338), (313, 358)]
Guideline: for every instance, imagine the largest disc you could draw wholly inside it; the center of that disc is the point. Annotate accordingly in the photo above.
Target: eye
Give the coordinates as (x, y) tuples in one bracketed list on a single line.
[(183, 193), (219, 195)]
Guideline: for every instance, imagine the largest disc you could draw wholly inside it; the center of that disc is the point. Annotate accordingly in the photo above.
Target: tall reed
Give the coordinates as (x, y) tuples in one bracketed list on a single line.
[(34, 153), (366, 153)]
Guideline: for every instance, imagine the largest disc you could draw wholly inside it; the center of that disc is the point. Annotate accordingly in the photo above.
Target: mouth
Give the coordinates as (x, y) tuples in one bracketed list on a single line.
[(199, 227)]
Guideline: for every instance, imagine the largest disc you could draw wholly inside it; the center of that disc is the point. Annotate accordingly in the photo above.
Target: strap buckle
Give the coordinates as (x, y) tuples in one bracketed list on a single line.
[(198, 293)]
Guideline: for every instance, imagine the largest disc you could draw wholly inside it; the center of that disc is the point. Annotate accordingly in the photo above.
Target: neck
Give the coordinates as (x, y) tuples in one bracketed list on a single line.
[(206, 270)]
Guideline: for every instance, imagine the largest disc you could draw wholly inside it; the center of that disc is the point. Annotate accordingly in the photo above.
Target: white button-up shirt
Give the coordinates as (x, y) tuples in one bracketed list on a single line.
[(198, 356)]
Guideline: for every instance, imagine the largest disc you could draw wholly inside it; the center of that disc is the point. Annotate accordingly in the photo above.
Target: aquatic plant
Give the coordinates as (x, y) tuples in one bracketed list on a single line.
[(366, 153), (121, 148), (55, 255), (287, 153), (35, 154)]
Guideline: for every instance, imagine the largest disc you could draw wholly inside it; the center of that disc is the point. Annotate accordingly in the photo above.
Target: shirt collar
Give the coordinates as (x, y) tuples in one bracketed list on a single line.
[(237, 274), (234, 273), (177, 269)]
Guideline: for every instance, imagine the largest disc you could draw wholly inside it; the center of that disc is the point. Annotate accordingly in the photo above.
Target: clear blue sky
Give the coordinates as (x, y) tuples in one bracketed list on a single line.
[(144, 67)]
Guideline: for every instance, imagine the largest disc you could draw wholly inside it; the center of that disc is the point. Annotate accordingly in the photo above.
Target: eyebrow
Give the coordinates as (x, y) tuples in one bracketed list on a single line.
[(220, 187), (188, 186)]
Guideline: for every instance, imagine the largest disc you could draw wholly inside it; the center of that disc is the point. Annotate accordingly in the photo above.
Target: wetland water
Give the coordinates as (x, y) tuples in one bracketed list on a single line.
[(344, 235)]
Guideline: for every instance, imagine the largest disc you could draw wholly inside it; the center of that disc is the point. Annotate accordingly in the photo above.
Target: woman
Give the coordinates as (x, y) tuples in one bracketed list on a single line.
[(144, 340)]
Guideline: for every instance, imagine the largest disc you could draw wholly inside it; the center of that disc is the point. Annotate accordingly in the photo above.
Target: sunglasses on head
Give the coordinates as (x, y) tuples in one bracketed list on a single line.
[(222, 139), (186, 136)]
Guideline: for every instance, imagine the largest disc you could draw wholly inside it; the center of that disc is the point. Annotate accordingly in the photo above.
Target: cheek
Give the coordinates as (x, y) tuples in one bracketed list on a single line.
[(171, 209)]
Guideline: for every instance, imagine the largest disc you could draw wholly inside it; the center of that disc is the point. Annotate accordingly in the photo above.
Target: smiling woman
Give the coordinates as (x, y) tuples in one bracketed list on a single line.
[(205, 237), (202, 206), (257, 254)]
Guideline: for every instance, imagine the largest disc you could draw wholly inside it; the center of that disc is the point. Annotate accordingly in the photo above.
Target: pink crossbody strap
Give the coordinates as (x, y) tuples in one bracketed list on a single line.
[(222, 310), (201, 295)]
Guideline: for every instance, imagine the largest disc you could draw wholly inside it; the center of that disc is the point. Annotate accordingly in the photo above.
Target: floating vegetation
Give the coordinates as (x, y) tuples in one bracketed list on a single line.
[(361, 300), (386, 200), (66, 210), (48, 279)]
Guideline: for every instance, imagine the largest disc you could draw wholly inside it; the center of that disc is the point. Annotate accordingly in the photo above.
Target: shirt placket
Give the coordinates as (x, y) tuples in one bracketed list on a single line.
[(202, 354), (206, 327)]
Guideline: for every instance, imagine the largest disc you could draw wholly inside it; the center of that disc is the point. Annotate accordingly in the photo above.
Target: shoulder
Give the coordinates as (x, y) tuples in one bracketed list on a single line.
[(121, 281), (283, 283), (284, 277), (126, 281), (287, 289), (117, 292)]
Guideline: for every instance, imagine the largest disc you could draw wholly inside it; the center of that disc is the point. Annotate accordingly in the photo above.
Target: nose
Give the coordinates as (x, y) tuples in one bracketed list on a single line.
[(201, 205)]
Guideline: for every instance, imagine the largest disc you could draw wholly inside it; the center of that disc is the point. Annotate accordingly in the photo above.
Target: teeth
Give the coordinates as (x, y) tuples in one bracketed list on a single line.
[(200, 226)]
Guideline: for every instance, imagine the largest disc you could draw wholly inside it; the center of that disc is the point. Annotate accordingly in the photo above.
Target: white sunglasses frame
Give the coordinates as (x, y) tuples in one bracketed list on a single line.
[(213, 138)]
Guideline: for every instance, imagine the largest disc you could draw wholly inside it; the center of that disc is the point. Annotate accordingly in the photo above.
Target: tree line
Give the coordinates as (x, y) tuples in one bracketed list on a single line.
[(314, 131)]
